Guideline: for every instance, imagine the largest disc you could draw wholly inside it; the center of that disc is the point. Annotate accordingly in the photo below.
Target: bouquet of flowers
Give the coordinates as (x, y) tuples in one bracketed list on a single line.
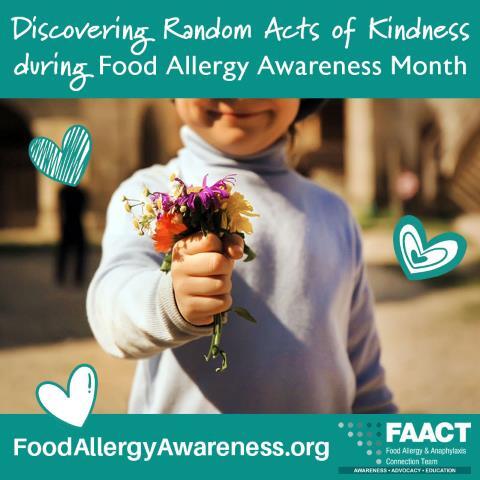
[(167, 218)]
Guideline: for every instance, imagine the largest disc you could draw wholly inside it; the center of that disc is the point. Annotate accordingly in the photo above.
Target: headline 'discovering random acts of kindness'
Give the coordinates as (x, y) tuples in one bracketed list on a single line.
[(144, 61)]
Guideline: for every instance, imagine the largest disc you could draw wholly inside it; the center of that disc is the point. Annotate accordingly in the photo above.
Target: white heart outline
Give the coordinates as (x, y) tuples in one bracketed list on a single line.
[(450, 246), (74, 404)]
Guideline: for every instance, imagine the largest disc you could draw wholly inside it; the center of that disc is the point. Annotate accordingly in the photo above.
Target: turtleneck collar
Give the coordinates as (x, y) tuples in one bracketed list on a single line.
[(272, 160)]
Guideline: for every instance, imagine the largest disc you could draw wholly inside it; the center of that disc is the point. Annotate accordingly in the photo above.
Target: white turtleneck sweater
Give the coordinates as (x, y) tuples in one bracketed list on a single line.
[(315, 347)]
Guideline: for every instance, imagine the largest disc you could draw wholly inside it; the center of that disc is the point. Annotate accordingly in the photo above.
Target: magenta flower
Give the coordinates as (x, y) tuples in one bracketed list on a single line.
[(166, 200), (208, 195)]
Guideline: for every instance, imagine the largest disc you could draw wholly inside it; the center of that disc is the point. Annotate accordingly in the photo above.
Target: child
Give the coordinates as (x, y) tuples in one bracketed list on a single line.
[(314, 349)]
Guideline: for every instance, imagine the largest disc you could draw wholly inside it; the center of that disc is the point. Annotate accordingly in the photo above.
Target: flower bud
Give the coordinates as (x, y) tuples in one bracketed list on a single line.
[(177, 218), (183, 208), (127, 206), (149, 208)]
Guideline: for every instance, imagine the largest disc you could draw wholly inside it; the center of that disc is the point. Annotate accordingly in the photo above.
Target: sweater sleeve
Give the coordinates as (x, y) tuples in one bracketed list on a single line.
[(372, 393), (130, 302)]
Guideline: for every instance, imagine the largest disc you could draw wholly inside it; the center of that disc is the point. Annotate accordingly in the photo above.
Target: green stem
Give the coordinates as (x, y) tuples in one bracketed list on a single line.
[(215, 349)]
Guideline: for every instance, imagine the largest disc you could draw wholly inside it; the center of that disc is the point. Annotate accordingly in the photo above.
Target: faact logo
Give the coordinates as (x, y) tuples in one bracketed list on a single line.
[(443, 432)]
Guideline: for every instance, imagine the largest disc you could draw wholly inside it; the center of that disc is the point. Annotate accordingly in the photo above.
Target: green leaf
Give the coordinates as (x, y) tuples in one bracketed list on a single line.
[(249, 253), (167, 262), (244, 313)]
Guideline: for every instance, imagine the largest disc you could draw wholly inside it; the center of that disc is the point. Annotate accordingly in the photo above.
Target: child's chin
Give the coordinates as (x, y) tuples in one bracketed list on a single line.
[(237, 142)]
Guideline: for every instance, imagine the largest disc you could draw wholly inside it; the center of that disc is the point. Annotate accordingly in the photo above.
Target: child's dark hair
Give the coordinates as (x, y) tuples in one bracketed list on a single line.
[(307, 107)]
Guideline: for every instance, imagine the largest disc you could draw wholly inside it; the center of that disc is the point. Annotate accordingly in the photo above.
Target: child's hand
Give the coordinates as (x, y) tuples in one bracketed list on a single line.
[(201, 272)]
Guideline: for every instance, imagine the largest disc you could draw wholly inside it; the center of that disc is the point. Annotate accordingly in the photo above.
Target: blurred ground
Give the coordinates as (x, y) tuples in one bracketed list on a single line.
[(430, 350), (429, 332)]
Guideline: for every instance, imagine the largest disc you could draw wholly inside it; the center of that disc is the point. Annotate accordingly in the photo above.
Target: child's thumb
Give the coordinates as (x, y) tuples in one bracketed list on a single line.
[(233, 245)]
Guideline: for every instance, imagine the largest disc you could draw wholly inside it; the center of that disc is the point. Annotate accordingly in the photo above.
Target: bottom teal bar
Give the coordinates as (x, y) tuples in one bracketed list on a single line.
[(240, 446)]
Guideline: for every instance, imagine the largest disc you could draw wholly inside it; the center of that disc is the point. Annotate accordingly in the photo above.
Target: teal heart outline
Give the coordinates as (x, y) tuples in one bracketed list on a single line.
[(417, 224), (68, 160), (418, 258), (67, 391)]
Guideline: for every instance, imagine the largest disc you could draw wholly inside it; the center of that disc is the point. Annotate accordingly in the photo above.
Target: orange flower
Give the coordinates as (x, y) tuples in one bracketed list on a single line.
[(167, 227)]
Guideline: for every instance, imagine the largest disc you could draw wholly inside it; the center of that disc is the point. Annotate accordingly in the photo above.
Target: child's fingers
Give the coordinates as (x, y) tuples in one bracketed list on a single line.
[(206, 286), (233, 245), (199, 243), (205, 265), (206, 306), (200, 310)]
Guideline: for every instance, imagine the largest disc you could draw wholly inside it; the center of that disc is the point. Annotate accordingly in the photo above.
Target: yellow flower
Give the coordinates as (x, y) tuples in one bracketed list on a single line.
[(234, 216), (177, 191)]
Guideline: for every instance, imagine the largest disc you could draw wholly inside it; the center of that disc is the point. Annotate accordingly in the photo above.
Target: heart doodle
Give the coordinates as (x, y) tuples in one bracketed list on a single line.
[(66, 165), (421, 259), (74, 404)]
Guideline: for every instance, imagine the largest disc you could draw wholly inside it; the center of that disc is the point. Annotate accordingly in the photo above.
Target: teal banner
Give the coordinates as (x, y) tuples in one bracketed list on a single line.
[(251, 49), (241, 446)]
